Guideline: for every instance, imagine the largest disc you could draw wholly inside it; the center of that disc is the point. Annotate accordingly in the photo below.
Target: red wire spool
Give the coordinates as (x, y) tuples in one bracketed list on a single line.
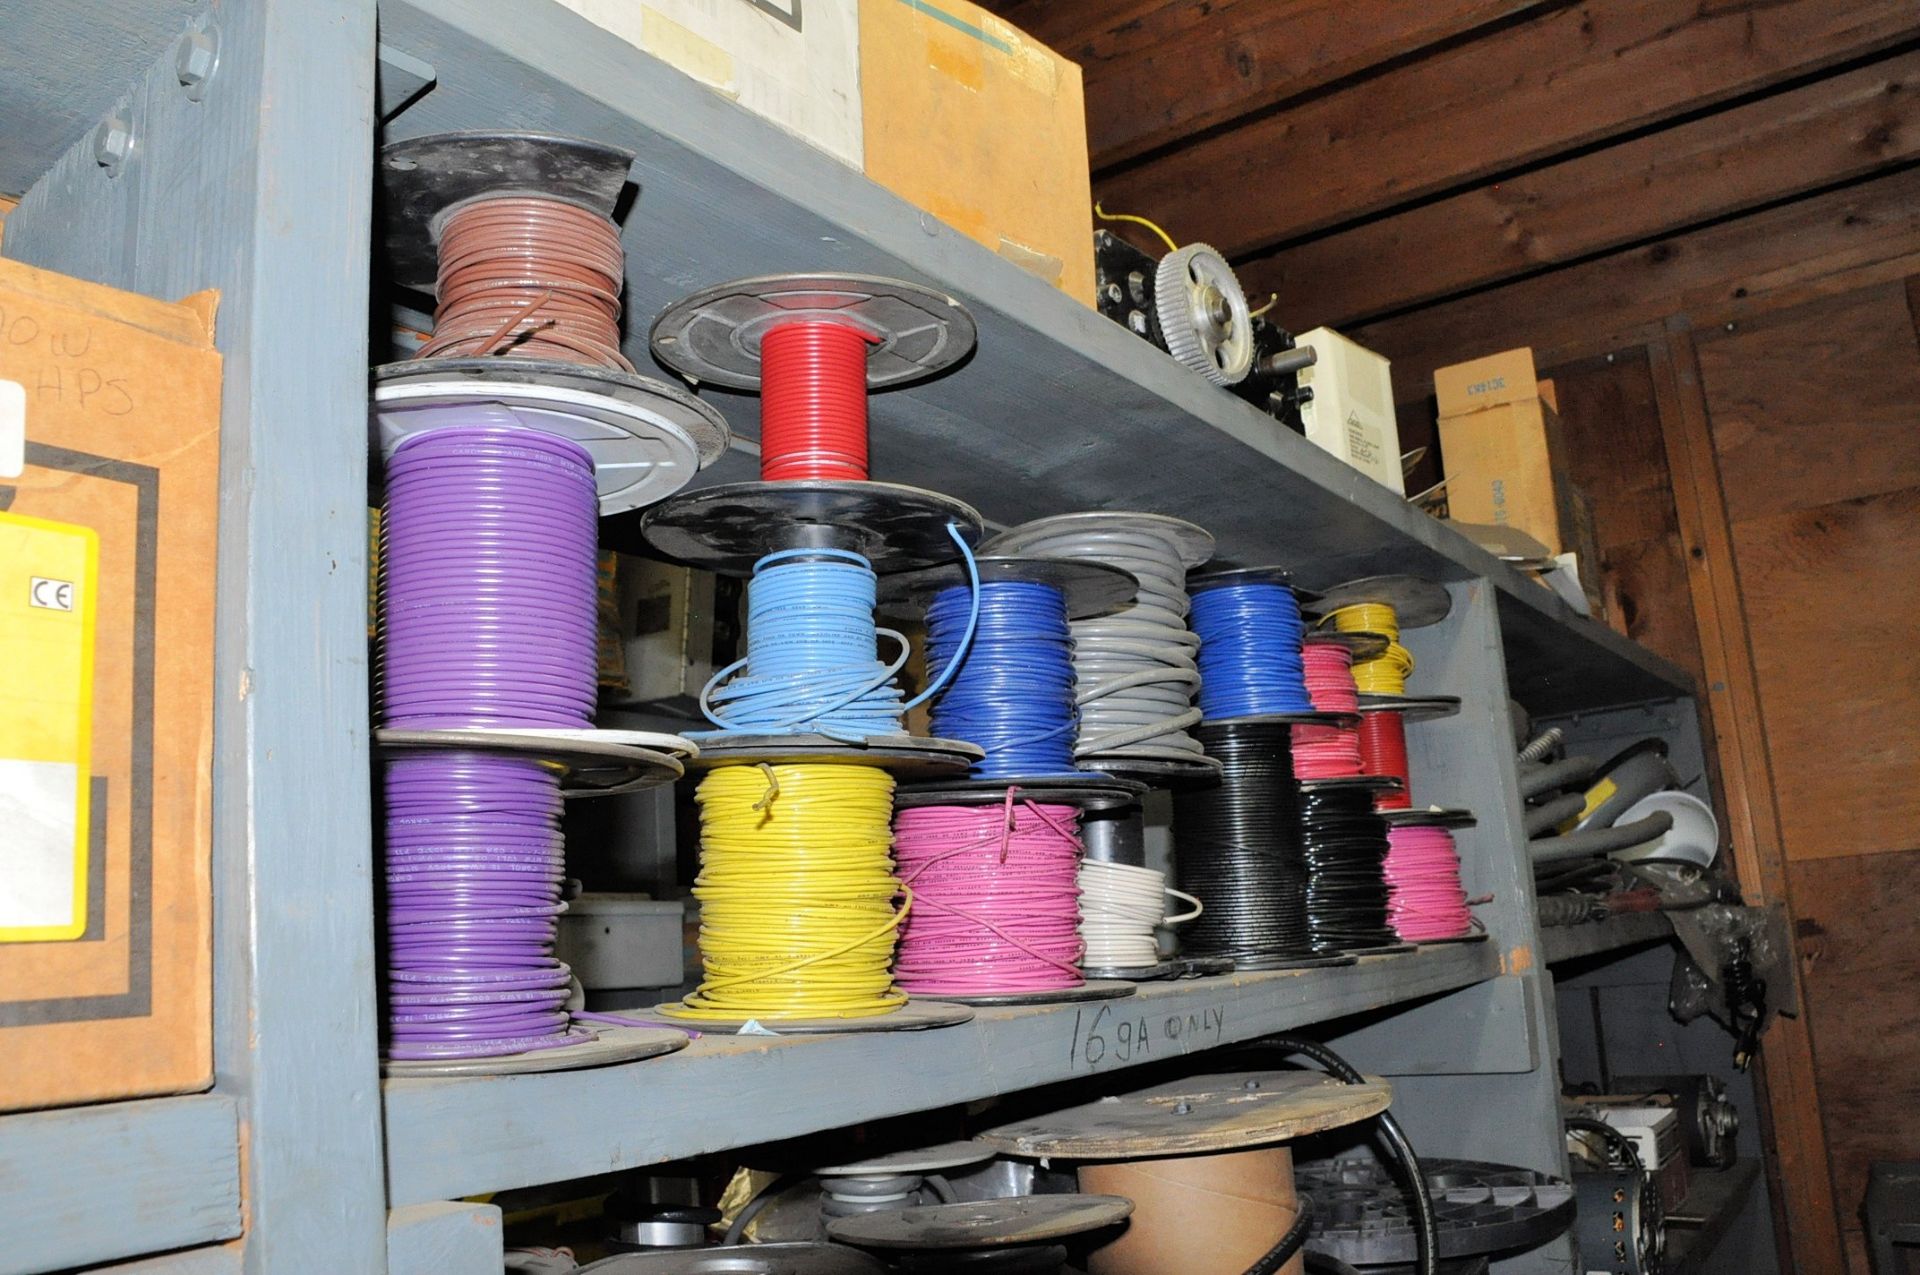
[(813, 413), (1383, 751)]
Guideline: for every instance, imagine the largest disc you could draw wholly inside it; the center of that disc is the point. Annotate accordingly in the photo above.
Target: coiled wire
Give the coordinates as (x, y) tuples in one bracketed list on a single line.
[(1344, 844), (1425, 899), (810, 664), (813, 401), (1120, 908), (1134, 669), (1237, 847), (1383, 752), (1012, 688), (1328, 751), (1250, 650), (995, 898), (796, 892), (1387, 672)]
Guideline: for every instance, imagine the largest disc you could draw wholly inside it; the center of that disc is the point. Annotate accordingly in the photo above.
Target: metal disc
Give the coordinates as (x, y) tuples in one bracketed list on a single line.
[(1365, 646), (714, 335), (1090, 588), (906, 755), (729, 528), (1194, 543), (423, 177), (1089, 792), (1315, 718), (1431, 817), (1202, 966), (1368, 783), (742, 1259), (610, 1045), (1088, 991), (1417, 603), (914, 1016), (1266, 964), (1415, 708), (933, 1159), (1194, 1115), (647, 439), (592, 766), (1020, 1219), (1158, 771)]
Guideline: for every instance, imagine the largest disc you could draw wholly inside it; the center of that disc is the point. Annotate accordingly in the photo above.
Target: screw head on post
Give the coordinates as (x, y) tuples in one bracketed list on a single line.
[(194, 61), (113, 141)]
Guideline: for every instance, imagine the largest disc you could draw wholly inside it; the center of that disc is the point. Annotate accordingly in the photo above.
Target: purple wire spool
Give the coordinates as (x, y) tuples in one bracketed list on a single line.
[(489, 538)]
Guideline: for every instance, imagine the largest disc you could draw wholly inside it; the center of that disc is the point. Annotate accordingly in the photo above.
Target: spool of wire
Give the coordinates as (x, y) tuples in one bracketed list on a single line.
[(1328, 751), (796, 891), (487, 606), (1425, 900), (1383, 753), (1012, 689), (1120, 908), (1237, 848), (1134, 669), (1387, 672), (1250, 630), (996, 908), (1344, 845), (813, 410)]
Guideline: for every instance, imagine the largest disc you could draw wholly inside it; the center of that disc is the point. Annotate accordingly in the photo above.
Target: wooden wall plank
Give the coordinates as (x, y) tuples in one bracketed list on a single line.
[(1571, 77), (1817, 403), (1797, 1166), (1610, 417), (1832, 607), (1830, 131), (1158, 70), (1860, 967), (1605, 303)]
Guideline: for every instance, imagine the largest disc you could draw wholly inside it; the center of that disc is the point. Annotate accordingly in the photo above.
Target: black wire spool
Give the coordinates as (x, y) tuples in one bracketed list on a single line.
[(1237, 848), (1344, 846)]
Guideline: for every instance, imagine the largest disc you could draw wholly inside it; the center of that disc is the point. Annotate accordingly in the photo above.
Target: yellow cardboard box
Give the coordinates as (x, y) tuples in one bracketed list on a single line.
[(1502, 450), (109, 465)]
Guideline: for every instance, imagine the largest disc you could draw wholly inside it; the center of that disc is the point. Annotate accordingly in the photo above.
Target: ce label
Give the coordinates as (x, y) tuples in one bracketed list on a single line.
[(51, 595)]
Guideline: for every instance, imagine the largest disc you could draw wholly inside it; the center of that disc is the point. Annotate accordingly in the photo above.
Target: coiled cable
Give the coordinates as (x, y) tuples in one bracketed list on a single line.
[(1120, 908), (1383, 753), (796, 892), (1425, 900), (1237, 847), (1012, 689), (1134, 670), (996, 898), (1344, 844), (1387, 672), (813, 407), (1249, 662), (1330, 751)]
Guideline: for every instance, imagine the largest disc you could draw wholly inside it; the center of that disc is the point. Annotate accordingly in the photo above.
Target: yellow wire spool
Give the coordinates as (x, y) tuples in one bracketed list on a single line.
[(796, 893), (1387, 672)]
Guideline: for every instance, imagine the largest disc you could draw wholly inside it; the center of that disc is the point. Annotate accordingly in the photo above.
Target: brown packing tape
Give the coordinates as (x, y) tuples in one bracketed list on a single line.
[(1198, 1215)]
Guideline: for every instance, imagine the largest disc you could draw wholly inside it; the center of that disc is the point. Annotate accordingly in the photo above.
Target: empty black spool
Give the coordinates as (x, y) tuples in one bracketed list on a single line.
[(1361, 1214)]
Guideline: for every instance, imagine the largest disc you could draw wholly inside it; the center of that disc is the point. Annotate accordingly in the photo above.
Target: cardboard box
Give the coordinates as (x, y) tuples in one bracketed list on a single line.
[(939, 101), (109, 466), (1502, 450), (1350, 412)]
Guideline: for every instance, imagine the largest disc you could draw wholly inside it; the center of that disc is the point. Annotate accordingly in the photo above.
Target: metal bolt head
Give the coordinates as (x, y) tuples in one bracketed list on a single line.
[(113, 141), (194, 61), (1137, 321), (1113, 292), (1182, 1108), (1250, 1085)]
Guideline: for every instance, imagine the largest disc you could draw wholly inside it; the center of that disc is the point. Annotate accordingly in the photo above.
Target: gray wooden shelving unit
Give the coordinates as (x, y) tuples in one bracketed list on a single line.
[(264, 189)]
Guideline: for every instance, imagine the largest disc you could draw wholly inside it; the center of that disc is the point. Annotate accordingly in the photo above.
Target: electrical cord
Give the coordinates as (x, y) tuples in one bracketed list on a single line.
[(1598, 841), (1387, 672), (1012, 689), (1250, 660), (1165, 238), (1288, 1244), (1545, 777), (1414, 1178)]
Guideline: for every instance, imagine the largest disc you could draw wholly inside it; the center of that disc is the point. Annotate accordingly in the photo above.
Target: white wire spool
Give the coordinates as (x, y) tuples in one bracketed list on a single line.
[(1120, 907)]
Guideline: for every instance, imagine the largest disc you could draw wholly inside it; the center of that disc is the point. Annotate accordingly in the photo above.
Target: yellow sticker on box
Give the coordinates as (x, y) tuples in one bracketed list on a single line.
[(48, 571)]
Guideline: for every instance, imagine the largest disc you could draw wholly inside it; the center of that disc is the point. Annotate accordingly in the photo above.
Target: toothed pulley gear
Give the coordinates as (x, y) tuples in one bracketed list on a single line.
[(1202, 313)]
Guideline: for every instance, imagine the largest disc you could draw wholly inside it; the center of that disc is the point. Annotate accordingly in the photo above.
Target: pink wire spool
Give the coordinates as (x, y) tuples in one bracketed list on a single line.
[(1425, 900), (995, 898), (1328, 752)]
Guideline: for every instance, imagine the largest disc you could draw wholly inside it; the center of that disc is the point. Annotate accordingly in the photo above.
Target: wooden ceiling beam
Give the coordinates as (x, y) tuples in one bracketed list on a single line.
[(1567, 79), (1611, 300), (1830, 131), (1156, 71)]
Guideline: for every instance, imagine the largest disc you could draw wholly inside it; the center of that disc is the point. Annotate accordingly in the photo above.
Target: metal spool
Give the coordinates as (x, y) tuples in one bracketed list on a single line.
[(891, 1182), (1361, 1213), (1116, 835), (1090, 588), (1417, 603), (593, 763)]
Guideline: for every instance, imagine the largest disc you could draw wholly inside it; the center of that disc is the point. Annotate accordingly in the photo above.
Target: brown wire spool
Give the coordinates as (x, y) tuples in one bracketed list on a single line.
[(1204, 1160)]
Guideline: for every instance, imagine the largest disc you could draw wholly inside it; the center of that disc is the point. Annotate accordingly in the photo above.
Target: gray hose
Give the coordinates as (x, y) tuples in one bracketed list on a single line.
[(1535, 780), (1598, 841), (1559, 810)]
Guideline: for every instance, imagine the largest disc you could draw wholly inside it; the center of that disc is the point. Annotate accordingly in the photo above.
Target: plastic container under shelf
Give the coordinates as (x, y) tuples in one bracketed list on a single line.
[(616, 941)]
